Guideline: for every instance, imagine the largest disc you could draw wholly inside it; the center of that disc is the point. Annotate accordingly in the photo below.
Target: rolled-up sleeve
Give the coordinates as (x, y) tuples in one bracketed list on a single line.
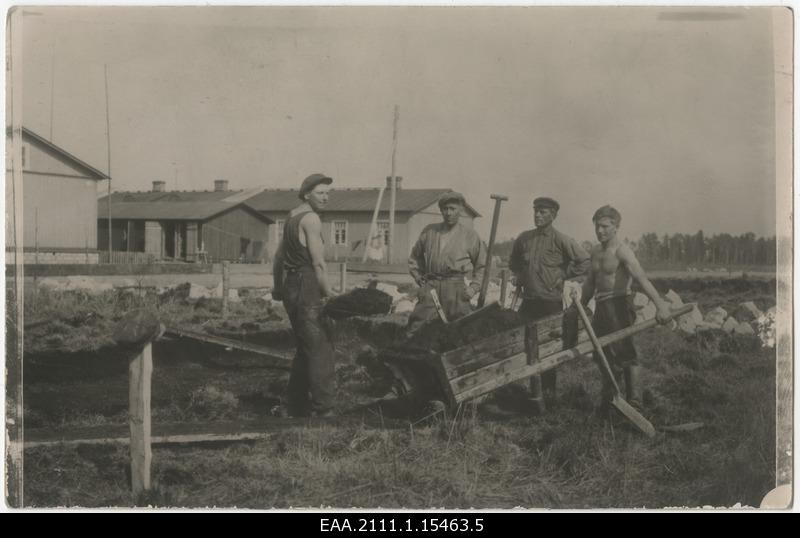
[(477, 256)]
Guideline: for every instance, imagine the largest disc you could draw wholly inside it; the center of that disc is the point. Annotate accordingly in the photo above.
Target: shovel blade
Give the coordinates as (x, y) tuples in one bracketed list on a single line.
[(634, 416)]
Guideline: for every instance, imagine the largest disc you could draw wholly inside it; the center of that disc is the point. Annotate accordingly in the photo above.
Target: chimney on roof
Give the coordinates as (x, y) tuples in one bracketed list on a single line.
[(158, 186), (398, 182), (220, 185)]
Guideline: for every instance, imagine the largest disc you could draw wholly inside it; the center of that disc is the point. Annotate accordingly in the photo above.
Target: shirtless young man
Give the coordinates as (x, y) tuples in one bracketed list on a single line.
[(614, 267)]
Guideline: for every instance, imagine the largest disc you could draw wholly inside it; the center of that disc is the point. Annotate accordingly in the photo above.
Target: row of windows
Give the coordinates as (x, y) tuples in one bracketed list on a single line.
[(339, 231)]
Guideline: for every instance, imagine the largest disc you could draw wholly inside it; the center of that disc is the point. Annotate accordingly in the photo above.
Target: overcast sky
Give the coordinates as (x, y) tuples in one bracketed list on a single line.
[(666, 114)]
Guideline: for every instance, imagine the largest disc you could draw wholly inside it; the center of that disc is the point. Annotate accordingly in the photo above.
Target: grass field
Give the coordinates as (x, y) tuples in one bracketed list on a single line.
[(490, 455)]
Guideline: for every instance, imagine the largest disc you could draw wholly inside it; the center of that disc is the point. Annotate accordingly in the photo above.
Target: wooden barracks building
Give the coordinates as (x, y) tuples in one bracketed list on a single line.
[(348, 216), (183, 225), (247, 225), (56, 204)]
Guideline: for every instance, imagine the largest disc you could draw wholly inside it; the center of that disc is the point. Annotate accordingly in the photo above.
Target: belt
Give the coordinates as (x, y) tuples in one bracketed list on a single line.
[(459, 276)]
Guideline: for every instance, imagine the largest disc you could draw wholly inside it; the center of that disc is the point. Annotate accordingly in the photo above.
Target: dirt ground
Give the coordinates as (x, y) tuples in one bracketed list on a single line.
[(494, 454)]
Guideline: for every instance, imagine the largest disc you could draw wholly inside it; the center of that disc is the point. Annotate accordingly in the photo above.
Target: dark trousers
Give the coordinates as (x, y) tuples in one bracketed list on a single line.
[(612, 315), (452, 295), (533, 309), (312, 379)]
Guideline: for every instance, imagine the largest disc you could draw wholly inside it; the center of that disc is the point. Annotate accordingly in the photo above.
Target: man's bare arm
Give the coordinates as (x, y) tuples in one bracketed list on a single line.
[(312, 228), (628, 258)]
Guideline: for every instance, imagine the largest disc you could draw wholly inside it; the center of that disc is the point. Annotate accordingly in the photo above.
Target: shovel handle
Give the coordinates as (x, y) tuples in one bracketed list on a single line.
[(498, 199), (597, 347)]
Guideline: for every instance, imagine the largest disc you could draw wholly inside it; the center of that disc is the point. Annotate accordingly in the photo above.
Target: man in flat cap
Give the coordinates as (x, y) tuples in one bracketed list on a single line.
[(545, 261), (301, 282), (446, 254)]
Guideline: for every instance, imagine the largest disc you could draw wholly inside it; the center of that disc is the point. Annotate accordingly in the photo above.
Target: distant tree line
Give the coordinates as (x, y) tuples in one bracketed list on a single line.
[(690, 250), (697, 249)]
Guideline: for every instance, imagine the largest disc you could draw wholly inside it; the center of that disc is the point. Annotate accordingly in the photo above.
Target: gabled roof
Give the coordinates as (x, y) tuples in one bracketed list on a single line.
[(90, 170), (172, 205), (406, 200)]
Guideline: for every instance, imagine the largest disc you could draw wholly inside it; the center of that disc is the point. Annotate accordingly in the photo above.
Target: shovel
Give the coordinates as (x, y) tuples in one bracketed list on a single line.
[(498, 199), (617, 401), (438, 305)]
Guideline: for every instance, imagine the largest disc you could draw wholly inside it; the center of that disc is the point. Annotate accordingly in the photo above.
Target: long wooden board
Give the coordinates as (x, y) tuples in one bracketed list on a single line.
[(281, 360), (208, 432)]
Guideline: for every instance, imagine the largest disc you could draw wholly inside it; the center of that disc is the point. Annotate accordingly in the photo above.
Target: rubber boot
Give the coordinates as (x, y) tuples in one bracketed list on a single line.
[(536, 397), (633, 387)]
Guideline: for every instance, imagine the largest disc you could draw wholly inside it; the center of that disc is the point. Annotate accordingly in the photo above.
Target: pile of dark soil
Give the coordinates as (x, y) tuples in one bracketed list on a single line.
[(439, 337), (359, 302)]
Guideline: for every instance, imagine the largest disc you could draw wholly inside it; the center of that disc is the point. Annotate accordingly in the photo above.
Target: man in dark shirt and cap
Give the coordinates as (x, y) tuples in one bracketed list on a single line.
[(445, 255), (300, 277), (543, 260)]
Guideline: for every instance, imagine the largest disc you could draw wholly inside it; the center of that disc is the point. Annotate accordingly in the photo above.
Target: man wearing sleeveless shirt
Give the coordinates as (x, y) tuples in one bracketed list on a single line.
[(613, 268), (301, 282), (543, 260)]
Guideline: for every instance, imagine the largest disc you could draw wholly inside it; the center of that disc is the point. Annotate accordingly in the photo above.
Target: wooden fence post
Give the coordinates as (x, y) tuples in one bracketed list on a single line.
[(136, 331), (342, 277), (226, 282), (140, 373), (532, 351)]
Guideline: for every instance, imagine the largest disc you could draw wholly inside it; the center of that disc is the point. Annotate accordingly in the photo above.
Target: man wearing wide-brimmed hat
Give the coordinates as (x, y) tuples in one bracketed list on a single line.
[(446, 255), (301, 282), (544, 261)]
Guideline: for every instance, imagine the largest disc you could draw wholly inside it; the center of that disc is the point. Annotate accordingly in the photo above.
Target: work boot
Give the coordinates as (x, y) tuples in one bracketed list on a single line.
[(633, 387)]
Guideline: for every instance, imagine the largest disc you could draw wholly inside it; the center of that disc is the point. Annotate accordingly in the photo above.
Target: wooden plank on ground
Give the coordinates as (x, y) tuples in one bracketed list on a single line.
[(281, 359), (200, 432)]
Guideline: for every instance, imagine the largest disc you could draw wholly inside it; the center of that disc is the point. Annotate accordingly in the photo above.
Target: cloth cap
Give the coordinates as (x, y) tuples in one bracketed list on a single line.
[(451, 196), (312, 181), (544, 201)]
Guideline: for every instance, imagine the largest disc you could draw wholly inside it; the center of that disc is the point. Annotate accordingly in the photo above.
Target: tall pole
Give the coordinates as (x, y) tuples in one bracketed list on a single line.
[(108, 146), (393, 186), (14, 431), (52, 87), (373, 224)]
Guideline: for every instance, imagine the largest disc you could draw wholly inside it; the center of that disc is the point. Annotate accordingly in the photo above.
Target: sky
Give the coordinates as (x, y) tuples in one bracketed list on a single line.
[(667, 114)]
